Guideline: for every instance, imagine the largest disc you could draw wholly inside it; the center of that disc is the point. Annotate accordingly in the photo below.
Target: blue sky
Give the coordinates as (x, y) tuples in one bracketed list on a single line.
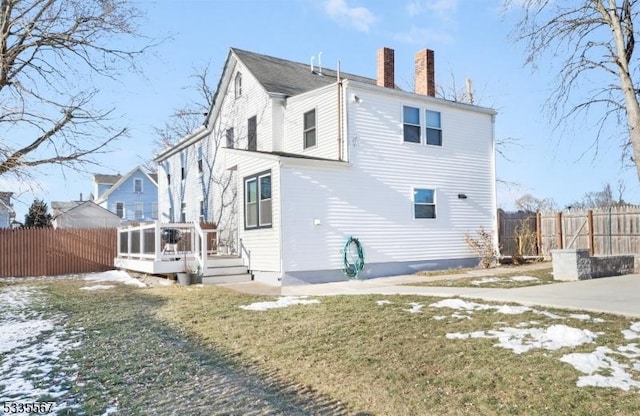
[(469, 37)]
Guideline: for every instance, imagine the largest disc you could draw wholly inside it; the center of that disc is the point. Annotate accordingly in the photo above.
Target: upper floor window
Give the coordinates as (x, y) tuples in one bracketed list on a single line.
[(252, 134), (120, 209), (309, 129), (137, 185), (411, 124), (238, 84), (434, 128), (424, 203), (183, 162), (230, 138), (257, 204)]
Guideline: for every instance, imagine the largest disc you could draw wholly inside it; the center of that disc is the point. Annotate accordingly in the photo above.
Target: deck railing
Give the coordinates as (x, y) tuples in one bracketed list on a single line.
[(144, 242)]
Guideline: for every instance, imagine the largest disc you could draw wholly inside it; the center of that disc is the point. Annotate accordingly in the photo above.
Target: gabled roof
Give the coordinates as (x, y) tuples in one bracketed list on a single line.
[(60, 207), (77, 204), (122, 180), (106, 179), (290, 78)]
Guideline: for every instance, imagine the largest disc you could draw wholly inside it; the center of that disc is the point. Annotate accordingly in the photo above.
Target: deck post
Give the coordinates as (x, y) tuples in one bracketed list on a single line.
[(128, 241), (156, 241)]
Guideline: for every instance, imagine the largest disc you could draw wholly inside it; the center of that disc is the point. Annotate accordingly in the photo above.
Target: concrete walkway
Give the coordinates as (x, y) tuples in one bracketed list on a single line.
[(618, 295)]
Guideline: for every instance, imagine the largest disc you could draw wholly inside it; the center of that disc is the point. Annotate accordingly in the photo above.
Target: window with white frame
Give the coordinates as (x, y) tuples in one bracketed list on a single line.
[(230, 138), (137, 185), (154, 210), (434, 128), (257, 205), (309, 129), (411, 124), (139, 210), (424, 203), (120, 209), (238, 85)]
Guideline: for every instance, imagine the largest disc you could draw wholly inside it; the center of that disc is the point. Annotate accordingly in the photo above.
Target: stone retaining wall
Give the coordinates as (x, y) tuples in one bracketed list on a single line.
[(576, 264)]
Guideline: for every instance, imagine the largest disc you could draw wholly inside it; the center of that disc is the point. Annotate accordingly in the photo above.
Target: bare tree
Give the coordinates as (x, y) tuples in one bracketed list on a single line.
[(530, 203), (47, 49), (189, 117), (602, 199), (596, 39)]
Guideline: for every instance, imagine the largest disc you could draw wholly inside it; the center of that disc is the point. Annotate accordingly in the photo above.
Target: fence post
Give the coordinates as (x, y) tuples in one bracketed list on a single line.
[(591, 236), (539, 233), (559, 230)]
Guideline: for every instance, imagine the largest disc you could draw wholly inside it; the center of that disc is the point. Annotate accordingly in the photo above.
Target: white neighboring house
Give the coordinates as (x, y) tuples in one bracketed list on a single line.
[(293, 160), (7, 214), (82, 214)]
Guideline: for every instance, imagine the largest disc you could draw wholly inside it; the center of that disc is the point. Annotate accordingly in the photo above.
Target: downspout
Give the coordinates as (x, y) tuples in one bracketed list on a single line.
[(339, 84), (281, 243)]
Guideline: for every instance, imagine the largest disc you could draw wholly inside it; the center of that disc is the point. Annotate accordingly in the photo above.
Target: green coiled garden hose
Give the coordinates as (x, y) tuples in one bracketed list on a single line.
[(352, 258)]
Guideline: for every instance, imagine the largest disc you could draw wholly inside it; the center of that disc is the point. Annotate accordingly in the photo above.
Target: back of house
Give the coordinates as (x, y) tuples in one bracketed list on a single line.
[(293, 161)]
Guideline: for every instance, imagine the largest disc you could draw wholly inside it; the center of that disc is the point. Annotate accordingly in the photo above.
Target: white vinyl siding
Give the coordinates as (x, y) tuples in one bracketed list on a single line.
[(372, 199), (325, 103)]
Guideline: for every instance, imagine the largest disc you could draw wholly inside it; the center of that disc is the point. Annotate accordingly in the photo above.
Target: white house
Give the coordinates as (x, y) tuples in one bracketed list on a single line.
[(7, 214), (292, 160)]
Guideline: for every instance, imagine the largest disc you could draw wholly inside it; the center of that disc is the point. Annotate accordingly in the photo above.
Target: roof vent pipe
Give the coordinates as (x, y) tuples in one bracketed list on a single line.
[(320, 63), (312, 58)]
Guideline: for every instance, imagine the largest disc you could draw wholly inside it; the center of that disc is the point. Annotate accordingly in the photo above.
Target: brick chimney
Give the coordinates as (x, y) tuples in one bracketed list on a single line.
[(425, 82), (386, 68)]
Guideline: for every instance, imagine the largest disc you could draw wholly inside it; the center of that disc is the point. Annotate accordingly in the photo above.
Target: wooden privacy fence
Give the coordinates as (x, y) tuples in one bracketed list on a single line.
[(52, 252), (603, 231)]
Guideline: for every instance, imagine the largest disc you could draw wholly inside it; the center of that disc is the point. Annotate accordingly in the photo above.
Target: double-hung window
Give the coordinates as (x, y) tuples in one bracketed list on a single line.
[(434, 128), (424, 203), (411, 124), (238, 85), (257, 205), (309, 129), (137, 185)]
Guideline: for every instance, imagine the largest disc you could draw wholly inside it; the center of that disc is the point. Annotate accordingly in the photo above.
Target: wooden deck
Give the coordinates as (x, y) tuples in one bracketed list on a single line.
[(141, 248)]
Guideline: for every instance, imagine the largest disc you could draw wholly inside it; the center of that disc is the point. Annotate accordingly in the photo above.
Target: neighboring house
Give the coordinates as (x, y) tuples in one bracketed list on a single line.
[(132, 197), (7, 214), (82, 214), (292, 160)]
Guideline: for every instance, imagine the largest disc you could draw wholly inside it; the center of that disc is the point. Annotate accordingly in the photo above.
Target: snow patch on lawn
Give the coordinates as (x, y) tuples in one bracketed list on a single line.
[(494, 279), (118, 276), (521, 340), (282, 302), (33, 350), (97, 287), (602, 370)]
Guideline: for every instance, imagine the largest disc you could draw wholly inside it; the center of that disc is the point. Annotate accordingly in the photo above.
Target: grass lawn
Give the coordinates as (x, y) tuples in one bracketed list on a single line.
[(490, 280), (193, 350)]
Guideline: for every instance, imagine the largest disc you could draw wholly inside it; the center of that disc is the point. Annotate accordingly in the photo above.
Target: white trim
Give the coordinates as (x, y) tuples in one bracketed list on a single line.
[(426, 99)]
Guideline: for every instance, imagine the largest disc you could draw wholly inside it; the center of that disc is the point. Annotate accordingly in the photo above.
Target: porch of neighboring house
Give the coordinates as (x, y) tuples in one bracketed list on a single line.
[(168, 248)]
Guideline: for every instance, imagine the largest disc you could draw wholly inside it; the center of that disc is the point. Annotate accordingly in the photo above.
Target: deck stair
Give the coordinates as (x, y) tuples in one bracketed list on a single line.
[(225, 269)]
